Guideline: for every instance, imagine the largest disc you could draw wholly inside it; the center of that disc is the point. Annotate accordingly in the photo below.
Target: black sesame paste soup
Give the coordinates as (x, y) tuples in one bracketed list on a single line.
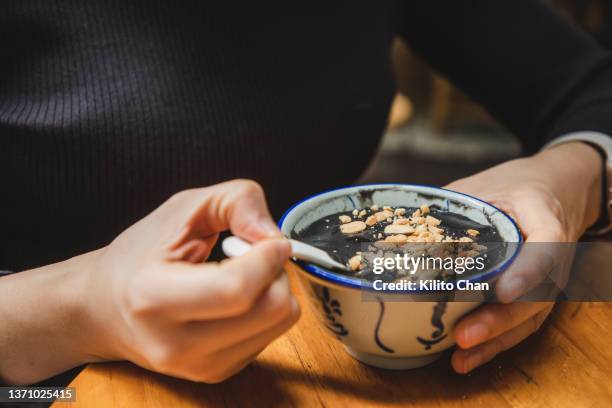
[(327, 234)]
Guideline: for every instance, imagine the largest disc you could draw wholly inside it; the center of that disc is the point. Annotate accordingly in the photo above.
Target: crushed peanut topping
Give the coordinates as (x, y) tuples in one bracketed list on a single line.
[(420, 227), (392, 227), (353, 227), (397, 239), (382, 215), (401, 221), (345, 219), (432, 220), (371, 220), (355, 262), (435, 230), (399, 229)]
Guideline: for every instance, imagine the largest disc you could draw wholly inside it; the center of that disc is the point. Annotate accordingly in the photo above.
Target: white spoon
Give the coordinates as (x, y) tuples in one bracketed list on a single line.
[(234, 246)]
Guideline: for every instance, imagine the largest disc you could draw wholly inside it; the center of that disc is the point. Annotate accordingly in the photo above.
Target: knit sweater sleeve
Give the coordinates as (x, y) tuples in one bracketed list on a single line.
[(537, 74)]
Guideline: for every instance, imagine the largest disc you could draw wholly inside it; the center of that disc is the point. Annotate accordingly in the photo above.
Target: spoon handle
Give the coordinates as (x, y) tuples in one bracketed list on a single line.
[(234, 246), (315, 255)]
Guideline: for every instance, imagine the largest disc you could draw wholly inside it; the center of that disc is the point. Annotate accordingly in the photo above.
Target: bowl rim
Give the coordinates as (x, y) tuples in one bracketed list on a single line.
[(353, 283)]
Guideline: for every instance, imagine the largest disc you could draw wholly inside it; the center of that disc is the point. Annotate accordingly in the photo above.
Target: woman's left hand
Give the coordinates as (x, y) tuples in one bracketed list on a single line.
[(553, 196)]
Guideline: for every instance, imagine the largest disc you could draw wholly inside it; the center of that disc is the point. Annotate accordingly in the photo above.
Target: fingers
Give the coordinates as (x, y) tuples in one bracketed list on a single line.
[(187, 292), (464, 361), (203, 365), (202, 352), (490, 321), (205, 322), (271, 309), (229, 361), (240, 281), (238, 205)]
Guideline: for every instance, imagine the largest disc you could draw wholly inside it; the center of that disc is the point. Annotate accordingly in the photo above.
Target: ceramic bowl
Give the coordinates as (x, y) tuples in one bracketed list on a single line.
[(390, 333)]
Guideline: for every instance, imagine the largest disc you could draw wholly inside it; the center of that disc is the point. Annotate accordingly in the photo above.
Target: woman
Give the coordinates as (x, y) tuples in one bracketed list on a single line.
[(107, 108)]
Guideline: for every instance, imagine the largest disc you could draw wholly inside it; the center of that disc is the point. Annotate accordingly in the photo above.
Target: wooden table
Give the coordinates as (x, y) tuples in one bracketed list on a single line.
[(568, 363)]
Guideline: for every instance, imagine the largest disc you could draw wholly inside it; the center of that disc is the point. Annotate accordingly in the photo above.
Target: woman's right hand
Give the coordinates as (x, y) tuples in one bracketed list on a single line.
[(151, 299)]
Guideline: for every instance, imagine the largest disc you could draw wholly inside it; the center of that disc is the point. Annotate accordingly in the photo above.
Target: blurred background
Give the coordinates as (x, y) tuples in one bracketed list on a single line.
[(436, 134)]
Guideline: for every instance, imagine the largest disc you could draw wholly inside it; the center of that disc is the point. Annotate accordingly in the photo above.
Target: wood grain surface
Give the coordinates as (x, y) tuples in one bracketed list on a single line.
[(568, 363)]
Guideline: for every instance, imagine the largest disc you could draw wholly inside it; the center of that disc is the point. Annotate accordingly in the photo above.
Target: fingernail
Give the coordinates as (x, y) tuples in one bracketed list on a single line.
[(472, 360), (269, 227), (476, 334), (513, 289)]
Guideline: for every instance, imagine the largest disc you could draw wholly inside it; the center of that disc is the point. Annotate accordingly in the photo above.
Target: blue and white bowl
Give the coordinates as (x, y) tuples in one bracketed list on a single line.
[(389, 333)]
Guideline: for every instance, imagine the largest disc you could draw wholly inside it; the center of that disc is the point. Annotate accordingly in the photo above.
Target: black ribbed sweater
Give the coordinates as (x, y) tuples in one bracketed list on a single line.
[(109, 107)]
